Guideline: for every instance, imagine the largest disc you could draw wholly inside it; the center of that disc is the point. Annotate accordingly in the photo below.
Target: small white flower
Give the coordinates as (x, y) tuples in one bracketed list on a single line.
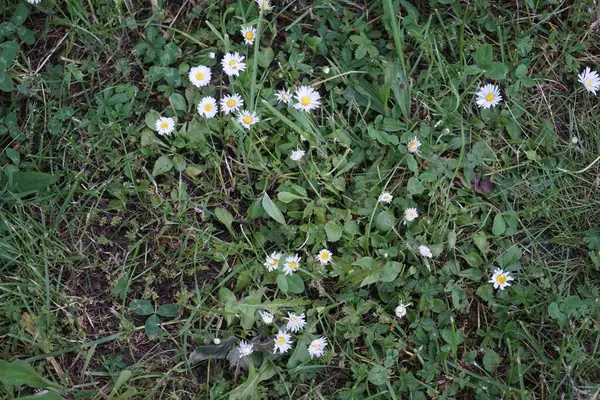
[(231, 103), (295, 322), (308, 98), (445, 131), (283, 96), (302, 138), (212, 55), (283, 342), (413, 145), (488, 96), (208, 107), (245, 349), (501, 279), (272, 261), (385, 197), (165, 125), (425, 251), (217, 340), (247, 118), (291, 265), (264, 5), (297, 155), (233, 64), (200, 75), (316, 348), (326, 70), (248, 33), (324, 256), (574, 140), (410, 214), (267, 317), (400, 311), (590, 80), (34, 1)]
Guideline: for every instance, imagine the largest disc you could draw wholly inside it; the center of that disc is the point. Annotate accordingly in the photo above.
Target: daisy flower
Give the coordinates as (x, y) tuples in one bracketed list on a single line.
[(291, 265), (264, 5), (272, 261), (410, 214), (200, 76), (165, 125), (413, 145), (385, 197), (231, 103), (247, 118), (283, 96), (34, 1), (308, 98), (488, 96), (212, 55), (267, 317), (316, 348), (297, 155), (324, 256), (248, 33), (283, 342), (295, 322), (400, 311), (501, 279), (233, 63), (208, 107), (425, 251), (245, 349), (590, 80)]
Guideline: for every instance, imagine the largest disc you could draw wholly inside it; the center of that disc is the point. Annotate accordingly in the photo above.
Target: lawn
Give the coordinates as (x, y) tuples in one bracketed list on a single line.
[(329, 199)]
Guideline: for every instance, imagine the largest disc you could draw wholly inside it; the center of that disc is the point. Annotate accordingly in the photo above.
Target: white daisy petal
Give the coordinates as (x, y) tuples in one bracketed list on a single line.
[(247, 118), (291, 265), (283, 342), (200, 76), (283, 96), (265, 5), (410, 214), (316, 348), (413, 145), (385, 197), (208, 107), (272, 261), (400, 310), (295, 322), (267, 317), (165, 125), (231, 103), (297, 155), (308, 99), (501, 279), (249, 33), (425, 251), (324, 256), (245, 349), (590, 80), (488, 96), (233, 64)]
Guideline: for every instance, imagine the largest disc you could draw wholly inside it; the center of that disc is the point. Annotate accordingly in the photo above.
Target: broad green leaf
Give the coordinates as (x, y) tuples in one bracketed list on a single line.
[(43, 396), (483, 55), (415, 186), (152, 327), (334, 231), (472, 273), (491, 360), (271, 208), (282, 283), (162, 165), (473, 259), (379, 375), (300, 353), (19, 373), (141, 307), (287, 197), (224, 217), (373, 277), (8, 52), (553, 311), (385, 221), (20, 14), (249, 389), (295, 283), (178, 102), (496, 71), (571, 304), (28, 181), (499, 225), (151, 118), (168, 310), (390, 271), (248, 306), (6, 83)]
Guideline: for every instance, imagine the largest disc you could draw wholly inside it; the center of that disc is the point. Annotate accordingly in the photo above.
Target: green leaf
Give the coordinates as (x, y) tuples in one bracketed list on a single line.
[(553, 311), (249, 389), (43, 396), (8, 52), (483, 56), (491, 360), (379, 375), (224, 217), (287, 197), (499, 225), (496, 71), (282, 283), (300, 353), (265, 57), (19, 373), (571, 304), (472, 273), (390, 271), (151, 118), (20, 14), (217, 351), (178, 102), (385, 221), (152, 327), (168, 310), (13, 155), (248, 306), (334, 231), (415, 186), (473, 259), (272, 210), (162, 165), (141, 307), (295, 283), (6, 83), (28, 181)]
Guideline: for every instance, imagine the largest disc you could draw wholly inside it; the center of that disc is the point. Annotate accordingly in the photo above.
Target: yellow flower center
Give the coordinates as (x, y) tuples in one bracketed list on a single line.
[(305, 100), (284, 96), (324, 256), (501, 279), (199, 76), (273, 262), (293, 265), (230, 103), (315, 346), (294, 319), (281, 340), (233, 63), (207, 107), (589, 82), (247, 119), (164, 125), (412, 144), (249, 35), (410, 214), (490, 96)]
